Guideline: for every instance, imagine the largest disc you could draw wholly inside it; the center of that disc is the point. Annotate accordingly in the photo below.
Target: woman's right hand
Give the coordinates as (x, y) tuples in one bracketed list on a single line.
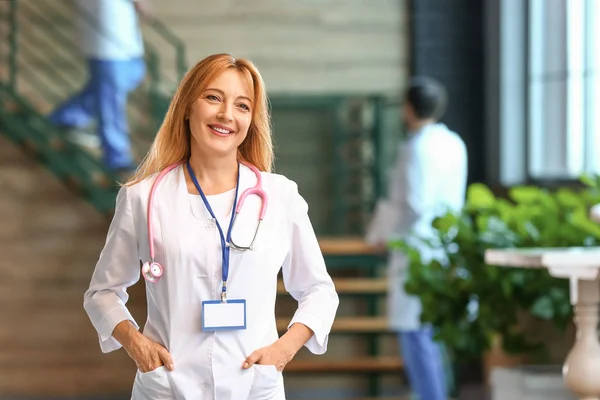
[(149, 355)]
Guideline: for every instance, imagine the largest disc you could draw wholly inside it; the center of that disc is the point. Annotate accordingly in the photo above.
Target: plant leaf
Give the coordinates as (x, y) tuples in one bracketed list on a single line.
[(543, 308), (479, 196)]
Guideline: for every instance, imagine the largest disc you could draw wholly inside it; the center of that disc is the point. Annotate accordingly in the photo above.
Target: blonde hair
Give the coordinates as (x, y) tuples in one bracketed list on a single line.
[(172, 144)]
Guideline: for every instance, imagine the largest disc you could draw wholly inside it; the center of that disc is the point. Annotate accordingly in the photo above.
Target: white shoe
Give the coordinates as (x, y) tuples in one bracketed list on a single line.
[(84, 139)]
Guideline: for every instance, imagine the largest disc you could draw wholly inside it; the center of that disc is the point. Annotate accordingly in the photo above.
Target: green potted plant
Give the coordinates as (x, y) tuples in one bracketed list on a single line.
[(470, 303)]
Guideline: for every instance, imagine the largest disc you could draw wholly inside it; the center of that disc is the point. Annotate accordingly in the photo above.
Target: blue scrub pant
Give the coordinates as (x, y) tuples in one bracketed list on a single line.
[(423, 361), (104, 98)]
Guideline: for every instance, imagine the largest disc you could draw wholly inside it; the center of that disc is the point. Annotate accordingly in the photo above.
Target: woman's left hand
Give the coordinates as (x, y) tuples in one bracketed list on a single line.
[(277, 354)]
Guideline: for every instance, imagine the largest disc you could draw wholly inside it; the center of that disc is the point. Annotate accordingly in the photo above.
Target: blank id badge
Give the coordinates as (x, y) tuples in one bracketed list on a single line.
[(223, 316)]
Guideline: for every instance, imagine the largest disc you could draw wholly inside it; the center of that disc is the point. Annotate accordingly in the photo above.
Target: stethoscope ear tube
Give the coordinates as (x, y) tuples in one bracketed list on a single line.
[(250, 247)]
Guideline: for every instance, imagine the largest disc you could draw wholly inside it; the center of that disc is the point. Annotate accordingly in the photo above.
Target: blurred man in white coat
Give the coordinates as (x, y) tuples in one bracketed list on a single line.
[(429, 179)]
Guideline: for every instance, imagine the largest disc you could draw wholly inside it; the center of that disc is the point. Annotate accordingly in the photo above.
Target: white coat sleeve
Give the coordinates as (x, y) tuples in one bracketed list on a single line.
[(306, 278), (411, 196), (116, 270)]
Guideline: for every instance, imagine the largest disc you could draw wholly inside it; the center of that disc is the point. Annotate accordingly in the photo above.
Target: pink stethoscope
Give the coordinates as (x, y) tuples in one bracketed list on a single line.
[(152, 271)]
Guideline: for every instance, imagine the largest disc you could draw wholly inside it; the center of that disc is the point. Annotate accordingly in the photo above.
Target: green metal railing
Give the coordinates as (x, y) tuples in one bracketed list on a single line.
[(356, 154), (179, 47)]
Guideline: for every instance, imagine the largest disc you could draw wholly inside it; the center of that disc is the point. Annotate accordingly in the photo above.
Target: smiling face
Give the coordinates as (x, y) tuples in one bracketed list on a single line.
[(221, 116)]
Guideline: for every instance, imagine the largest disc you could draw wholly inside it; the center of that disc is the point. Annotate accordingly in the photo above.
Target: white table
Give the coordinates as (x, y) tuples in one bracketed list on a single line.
[(581, 370)]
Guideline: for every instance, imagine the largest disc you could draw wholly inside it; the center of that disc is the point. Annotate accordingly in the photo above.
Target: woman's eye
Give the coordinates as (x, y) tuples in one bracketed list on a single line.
[(212, 97), (244, 106)]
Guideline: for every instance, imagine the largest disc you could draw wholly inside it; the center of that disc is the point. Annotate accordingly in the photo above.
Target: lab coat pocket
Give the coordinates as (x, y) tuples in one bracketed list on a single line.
[(266, 383), (152, 385)]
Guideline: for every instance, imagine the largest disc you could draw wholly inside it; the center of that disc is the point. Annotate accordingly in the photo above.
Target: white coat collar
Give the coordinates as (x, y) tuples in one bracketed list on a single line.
[(435, 126), (177, 181)]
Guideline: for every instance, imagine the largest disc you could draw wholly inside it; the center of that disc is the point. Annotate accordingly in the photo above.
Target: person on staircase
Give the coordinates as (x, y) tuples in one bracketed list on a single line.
[(428, 179), (112, 43)]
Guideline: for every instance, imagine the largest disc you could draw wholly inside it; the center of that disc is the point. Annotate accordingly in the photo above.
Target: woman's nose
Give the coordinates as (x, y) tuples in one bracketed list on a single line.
[(225, 112)]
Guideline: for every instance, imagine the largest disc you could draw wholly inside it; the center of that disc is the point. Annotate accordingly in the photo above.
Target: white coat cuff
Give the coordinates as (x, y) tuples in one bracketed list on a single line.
[(317, 344), (107, 326)]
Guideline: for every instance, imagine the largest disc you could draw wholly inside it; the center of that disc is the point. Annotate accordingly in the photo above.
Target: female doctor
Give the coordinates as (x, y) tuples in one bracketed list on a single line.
[(211, 228)]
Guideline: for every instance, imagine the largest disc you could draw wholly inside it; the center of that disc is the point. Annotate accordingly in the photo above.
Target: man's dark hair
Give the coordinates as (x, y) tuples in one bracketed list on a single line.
[(427, 97)]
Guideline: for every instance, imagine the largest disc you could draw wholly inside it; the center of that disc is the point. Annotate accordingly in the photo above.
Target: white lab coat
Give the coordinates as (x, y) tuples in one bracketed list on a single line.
[(428, 179), (187, 244), (109, 29)]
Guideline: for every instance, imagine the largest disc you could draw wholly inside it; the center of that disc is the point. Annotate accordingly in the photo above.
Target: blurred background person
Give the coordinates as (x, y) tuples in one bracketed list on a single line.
[(428, 179), (113, 45)]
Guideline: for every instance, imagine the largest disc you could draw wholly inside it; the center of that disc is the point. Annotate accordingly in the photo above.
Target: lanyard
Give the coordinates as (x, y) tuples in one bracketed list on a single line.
[(225, 250)]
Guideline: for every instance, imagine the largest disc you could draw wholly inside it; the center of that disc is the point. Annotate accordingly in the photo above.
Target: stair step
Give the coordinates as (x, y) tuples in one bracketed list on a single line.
[(349, 325), (63, 381), (346, 246), (351, 365), (50, 355), (352, 286)]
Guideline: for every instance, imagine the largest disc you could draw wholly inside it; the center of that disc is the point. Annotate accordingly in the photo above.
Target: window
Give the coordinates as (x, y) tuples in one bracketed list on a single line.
[(563, 137)]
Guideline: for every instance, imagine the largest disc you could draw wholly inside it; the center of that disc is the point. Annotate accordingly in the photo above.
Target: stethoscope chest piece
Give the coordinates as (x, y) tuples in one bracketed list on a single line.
[(152, 271)]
